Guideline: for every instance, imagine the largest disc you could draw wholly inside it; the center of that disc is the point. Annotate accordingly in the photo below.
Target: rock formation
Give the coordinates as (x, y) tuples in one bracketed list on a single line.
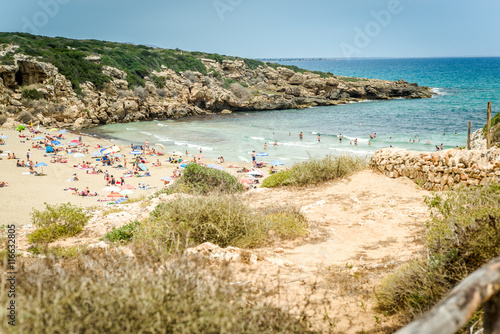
[(229, 86)]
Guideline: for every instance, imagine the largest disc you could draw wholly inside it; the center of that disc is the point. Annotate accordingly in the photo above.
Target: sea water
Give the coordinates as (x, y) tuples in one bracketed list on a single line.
[(463, 87)]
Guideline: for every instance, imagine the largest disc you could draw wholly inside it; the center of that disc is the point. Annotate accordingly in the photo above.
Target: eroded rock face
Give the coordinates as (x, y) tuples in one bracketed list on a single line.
[(185, 94)]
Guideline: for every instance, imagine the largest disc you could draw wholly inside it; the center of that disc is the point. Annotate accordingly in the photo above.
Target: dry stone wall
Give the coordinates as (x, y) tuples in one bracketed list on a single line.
[(440, 170)]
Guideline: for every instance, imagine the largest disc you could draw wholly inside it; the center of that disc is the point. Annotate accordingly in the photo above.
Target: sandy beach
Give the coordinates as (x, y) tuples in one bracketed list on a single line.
[(26, 192)]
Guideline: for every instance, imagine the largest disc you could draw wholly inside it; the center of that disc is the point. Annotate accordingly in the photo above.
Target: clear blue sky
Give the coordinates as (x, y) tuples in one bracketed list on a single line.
[(272, 28)]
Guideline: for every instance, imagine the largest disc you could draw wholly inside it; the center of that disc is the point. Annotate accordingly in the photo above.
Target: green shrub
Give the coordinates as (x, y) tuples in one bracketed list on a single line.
[(58, 252), (32, 94), (124, 233), (8, 59), (159, 81), (463, 235), (315, 171), (494, 121), (104, 294), (202, 180), (57, 221), (223, 220)]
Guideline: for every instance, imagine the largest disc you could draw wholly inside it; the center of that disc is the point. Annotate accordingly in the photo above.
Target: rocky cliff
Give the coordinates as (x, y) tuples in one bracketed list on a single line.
[(35, 90)]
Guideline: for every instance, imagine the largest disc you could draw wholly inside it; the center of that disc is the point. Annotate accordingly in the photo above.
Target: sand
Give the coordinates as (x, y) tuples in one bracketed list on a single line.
[(26, 193)]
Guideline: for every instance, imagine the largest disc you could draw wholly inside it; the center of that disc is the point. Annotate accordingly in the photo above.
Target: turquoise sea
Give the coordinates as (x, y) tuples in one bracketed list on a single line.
[(464, 86)]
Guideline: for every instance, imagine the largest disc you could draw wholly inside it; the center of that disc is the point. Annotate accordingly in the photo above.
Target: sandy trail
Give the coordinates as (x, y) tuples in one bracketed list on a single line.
[(357, 224)]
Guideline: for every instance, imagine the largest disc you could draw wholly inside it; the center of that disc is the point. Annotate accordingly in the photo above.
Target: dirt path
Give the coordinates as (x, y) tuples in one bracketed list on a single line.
[(361, 228)]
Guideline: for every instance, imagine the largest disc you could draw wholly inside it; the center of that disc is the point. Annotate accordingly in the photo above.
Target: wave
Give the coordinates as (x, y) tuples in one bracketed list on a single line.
[(184, 143), (146, 133), (350, 150), (360, 140), (159, 124), (258, 138), (294, 144)]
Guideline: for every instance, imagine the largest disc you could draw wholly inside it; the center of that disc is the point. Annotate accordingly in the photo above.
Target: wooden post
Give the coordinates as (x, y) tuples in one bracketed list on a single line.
[(491, 317), (488, 127), (468, 137)]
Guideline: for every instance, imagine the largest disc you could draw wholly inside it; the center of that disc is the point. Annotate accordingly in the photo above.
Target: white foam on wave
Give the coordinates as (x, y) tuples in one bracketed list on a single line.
[(130, 129), (295, 144), (159, 124), (258, 138), (350, 150), (184, 143), (146, 133), (360, 140), (439, 91)]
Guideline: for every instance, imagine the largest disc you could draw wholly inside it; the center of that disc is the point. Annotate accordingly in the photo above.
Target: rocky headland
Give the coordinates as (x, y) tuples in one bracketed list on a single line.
[(32, 89)]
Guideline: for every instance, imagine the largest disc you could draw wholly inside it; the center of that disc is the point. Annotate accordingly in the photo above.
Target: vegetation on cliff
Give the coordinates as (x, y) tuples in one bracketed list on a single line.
[(138, 61)]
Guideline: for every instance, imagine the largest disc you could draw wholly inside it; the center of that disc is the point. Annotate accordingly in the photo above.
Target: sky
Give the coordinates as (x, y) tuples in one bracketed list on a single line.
[(272, 28)]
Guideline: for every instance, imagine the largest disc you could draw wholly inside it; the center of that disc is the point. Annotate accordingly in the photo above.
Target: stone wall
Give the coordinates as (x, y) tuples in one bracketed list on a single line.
[(440, 170)]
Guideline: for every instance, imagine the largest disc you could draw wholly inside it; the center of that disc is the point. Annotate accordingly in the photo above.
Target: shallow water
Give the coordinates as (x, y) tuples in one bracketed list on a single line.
[(464, 87)]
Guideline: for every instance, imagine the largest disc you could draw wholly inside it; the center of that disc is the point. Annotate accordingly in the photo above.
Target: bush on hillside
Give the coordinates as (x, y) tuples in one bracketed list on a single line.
[(202, 180), (222, 220), (462, 236), (3, 119), (32, 94), (315, 171), (57, 221)]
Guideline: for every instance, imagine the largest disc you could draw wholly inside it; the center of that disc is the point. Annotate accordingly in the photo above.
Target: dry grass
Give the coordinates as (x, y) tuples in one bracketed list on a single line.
[(100, 293), (223, 220)]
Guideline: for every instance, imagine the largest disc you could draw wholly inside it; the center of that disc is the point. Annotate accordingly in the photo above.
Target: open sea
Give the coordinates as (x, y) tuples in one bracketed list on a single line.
[(464, 86)]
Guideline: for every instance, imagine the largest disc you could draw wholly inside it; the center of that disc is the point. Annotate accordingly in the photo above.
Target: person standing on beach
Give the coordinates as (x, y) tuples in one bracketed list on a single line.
[(275, 143), (301, 135), (340, 137), (28, 155), (265, 146), (147, 144), (253, 159), (319, 138), (356, 141), (201, 150)]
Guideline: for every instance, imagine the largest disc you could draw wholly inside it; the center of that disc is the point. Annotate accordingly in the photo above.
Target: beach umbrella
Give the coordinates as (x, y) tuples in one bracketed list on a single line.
[(56, 142), (39, 138), (79, 155), (96, 154), (53, 129), (3, 137), (41, 164), (20, 127), (115, 195), (183, 165), (245, 181), (106, 151), (160, 145), (136, 152), (138, 147), (127, 186), (167, 178), (118, 155), (126, 192), (277, 163), (63, 131), (111, 188), (262, 154), (76, 141), (143, 167)]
